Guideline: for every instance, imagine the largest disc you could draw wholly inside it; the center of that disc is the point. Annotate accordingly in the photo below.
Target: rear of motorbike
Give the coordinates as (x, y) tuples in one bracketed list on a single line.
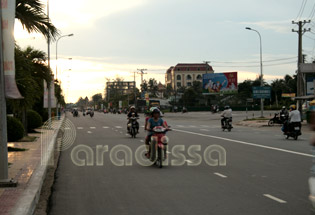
[(159, 142), (227, 125)]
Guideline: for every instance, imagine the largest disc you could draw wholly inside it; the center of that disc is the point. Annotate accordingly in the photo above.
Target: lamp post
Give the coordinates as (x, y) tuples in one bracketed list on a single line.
[(68, 35), (261, 70)]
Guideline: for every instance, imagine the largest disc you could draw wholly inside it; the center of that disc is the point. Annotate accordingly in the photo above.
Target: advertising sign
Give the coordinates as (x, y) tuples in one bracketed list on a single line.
[(310, 86), (288, 95), (220, 83), (8, 44), (261, 92)]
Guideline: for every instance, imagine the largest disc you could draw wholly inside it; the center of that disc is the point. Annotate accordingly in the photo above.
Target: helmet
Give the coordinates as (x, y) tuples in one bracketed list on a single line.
[(227, 107), (283, 107), (293, 107), (132, 107), (156, 110), (152, 109)]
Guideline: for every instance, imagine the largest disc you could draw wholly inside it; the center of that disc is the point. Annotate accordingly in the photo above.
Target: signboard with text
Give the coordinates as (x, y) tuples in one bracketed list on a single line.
[(261, 92)]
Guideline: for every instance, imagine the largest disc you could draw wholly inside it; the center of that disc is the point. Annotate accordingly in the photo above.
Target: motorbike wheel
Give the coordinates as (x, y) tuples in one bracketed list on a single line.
[(134, 132), (296, 137), (271, 123), (287, 137), (229, 129), (160, 159)]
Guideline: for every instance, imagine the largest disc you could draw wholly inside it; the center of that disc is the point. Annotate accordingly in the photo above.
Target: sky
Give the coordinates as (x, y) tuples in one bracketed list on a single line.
[(114, 38)]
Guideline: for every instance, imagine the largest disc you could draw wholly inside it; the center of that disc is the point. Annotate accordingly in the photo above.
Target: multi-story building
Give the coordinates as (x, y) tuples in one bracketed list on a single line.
[(183, 75)]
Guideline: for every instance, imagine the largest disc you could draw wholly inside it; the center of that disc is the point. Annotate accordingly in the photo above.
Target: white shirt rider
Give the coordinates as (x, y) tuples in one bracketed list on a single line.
[(295, 116), (227, 113)]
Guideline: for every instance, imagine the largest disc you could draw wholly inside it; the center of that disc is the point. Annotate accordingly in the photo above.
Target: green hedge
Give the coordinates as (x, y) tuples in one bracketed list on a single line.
[(15, 129), (34, 120)]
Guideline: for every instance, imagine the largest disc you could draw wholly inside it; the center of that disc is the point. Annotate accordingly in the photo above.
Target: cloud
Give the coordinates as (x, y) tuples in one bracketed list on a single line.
[(282, 26)]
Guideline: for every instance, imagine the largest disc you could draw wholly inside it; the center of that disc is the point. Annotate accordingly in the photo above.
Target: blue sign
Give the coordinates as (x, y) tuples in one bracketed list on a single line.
[(261, 92)]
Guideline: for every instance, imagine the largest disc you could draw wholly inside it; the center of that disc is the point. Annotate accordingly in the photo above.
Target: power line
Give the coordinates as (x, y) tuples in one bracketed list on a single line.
[(253, 62), (312, 12), (252, 66), (301, 10)]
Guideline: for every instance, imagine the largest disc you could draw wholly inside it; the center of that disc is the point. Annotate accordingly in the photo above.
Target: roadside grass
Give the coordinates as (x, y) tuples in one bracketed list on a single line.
[(27, 139), (13, 149), (257, 119)]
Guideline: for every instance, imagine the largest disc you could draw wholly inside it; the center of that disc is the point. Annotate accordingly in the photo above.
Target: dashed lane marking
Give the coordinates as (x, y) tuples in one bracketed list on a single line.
[(220, 175), (89, 132), (105, 127), (92, 127), (79, 128)]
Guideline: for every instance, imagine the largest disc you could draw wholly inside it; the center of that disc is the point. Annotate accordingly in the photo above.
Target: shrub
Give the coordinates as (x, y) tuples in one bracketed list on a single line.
[(34, 120), (15, 129)]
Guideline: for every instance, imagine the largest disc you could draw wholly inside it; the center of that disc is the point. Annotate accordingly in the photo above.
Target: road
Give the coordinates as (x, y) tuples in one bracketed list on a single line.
[(264, 173)]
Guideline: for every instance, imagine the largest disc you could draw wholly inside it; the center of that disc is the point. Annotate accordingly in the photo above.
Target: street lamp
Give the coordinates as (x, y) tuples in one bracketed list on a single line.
[(261, 70), (68, 35)]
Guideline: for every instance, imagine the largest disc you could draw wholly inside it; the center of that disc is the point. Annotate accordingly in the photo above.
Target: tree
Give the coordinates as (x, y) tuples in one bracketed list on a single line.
[(33, 18), (97, 99), (153, 87)]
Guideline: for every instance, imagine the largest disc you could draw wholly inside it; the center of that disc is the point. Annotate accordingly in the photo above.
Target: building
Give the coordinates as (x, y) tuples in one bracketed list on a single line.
[(183, 75)]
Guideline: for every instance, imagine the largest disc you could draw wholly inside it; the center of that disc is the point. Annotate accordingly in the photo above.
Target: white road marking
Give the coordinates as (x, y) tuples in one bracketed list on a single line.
[(127, 134), (92, 128), (89, 132), (188, 161), (220, 175), (105, 127), (79, 128), (275, 198), (142, 126), (167, 152), (142, 141), (118, 127), (246, 143)]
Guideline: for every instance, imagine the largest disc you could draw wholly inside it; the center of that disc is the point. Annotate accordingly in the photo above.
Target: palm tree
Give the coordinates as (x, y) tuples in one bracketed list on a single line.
[(33, 18)]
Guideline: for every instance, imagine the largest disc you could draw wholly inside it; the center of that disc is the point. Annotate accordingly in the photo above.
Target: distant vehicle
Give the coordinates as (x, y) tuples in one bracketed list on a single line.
[(227, 124), (277, 119)]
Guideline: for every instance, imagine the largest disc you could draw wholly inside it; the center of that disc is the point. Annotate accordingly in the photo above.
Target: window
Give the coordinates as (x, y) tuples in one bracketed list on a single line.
[(198, 69), (179, 77), (188, 84), (199, 77), (178, 69), (188, 77), (179, 84)]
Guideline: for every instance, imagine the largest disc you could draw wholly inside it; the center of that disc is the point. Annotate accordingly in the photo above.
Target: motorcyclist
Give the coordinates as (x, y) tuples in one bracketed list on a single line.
[(132, 113), (226, 114), (154, 121), (283, 114), (294, 117)]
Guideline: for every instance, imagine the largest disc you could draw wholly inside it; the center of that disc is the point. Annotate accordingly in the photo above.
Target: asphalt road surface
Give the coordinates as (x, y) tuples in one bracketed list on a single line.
[(262, 172)]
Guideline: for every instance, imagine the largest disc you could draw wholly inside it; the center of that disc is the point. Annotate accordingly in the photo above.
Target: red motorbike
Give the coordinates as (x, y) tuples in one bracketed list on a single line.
[(158, 145)]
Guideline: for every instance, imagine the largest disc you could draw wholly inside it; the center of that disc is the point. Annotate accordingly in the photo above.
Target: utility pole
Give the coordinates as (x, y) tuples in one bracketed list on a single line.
[(141, 71), (52, 82), (300, 75), (134, 87), (206, 62)]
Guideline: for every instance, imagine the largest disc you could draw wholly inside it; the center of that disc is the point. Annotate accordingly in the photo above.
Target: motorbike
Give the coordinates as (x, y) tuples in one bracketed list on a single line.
[(227, 124), (159, 142), (75, 113), (132, 126), (91, 114), (277, 119), (292, 130), (84, 113)]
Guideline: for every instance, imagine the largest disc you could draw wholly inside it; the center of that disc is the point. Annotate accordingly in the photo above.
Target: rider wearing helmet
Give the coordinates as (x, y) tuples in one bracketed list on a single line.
[(284, 113), (130, 114), (154, 121), (294, 118), (226, 114)]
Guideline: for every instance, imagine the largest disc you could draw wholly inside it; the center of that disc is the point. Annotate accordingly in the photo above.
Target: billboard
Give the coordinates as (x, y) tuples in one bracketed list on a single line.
[(310, 86), (220, 83), (261, 92)]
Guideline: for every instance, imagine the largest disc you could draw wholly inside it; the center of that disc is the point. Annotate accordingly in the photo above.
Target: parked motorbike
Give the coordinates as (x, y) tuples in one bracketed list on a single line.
[(292, 130), (227, 124), (159, 142), (132, 126), (277, 119)]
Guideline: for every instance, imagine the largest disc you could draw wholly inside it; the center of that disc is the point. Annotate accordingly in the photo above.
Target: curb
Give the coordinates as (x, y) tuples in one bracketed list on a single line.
[(26, 204)]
